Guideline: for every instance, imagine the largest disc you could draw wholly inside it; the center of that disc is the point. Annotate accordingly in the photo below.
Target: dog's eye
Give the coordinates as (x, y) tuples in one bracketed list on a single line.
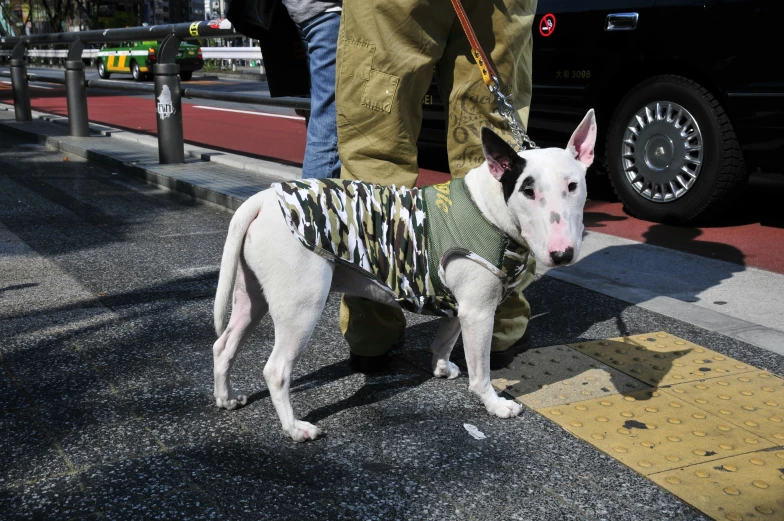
[(572, 186), (529, 193)]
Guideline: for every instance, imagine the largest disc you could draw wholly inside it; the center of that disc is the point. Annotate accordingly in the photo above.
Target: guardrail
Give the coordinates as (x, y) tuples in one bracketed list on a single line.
[(166, 88), (209, 53)]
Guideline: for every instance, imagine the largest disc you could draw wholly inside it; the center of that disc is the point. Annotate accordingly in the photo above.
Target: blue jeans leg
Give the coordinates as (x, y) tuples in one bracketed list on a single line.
[(321, 151)]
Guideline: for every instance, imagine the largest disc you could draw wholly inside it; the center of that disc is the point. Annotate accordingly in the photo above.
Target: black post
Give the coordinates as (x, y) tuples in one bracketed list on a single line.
[(168, 103), (20, 85), (76, 91)]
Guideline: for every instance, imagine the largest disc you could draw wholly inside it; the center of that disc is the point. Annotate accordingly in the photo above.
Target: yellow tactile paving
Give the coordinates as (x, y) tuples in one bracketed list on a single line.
[(660, 358), (559, 375), (747, 487), (708, 428), (651, 431), (753, 401)]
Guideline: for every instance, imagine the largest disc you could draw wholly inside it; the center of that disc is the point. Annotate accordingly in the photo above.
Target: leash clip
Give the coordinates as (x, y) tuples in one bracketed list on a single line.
[(507, 111)]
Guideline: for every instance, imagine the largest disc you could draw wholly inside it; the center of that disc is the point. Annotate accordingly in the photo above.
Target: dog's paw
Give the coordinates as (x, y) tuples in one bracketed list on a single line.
[(446, 369), (234, 402), (303, 431), (504, 408)]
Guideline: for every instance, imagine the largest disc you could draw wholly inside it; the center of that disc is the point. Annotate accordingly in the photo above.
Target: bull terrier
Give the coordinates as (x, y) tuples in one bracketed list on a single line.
[(454, 250)]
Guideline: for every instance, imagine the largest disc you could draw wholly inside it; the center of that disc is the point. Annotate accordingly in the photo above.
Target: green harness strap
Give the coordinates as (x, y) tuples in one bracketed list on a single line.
[(455, 225)]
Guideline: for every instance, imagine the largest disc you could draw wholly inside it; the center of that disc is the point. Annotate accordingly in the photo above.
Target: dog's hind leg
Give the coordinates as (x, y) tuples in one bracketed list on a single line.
[(249, 307), (295, 309), (446, 336)]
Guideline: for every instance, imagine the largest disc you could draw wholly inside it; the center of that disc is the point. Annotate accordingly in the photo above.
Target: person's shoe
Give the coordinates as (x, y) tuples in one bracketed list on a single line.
[(368, 364), (373, 364), (501, 359)]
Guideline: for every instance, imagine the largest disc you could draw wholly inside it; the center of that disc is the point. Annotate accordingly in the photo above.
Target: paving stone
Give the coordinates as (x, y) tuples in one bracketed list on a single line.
[(557, 375), (651, 431), (162, 399), (145, 488), (72, 414), (740, 487), (753, 401), (194, 427), (100, 443), (57, 497), (659, 358), (25, 450)]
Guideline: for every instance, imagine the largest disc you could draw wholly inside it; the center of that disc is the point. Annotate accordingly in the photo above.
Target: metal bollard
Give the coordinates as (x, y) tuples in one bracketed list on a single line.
[(168, 103), (76, 91), (21, 88)]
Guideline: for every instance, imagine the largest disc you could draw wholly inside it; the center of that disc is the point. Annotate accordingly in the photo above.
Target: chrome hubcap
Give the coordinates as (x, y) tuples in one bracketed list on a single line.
[(662, 152)]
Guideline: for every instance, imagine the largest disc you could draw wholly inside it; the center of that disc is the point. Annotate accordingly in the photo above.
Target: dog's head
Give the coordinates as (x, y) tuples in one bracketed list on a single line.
[(545, 191)]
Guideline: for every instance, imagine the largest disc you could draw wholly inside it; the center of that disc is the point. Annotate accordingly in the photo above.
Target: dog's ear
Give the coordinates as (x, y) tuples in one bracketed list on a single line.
[(583, 140), (499, 154), (502, 161)]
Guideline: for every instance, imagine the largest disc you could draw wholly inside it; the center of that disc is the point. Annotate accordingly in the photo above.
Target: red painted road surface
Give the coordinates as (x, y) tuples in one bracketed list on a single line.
[(752, 234)]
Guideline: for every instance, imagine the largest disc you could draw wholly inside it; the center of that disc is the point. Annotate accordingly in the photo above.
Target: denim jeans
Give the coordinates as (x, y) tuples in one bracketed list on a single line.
[(320, 34)]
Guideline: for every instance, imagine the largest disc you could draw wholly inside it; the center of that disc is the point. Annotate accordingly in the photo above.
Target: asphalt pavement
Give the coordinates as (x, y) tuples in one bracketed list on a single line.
[(106, 288)]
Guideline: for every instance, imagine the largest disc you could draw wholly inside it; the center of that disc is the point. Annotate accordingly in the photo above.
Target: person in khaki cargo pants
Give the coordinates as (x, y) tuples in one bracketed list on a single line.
[(387, 50)]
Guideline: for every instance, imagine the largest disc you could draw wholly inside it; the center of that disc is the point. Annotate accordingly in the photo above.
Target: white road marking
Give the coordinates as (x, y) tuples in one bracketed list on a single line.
[(36, 86), (251, 112), (199, 271)]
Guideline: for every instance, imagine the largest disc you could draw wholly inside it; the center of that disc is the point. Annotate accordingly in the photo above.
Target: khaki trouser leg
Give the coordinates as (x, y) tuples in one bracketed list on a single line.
[(505, 34), (381, 81), (384, 68), (512, 316), (370, 328)]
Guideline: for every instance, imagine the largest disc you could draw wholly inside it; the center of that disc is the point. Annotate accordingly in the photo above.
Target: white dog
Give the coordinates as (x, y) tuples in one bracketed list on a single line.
[(534, 199)]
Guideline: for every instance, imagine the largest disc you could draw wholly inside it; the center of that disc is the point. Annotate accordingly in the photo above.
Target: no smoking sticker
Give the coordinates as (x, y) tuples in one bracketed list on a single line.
[(547, 25)]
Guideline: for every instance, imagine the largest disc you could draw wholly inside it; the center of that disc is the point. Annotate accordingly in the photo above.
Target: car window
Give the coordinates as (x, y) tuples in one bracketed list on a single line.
[(574, 6)]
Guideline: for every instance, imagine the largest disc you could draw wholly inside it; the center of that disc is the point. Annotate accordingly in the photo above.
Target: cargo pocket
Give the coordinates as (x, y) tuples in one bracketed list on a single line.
[(380, 91), (357, 59)]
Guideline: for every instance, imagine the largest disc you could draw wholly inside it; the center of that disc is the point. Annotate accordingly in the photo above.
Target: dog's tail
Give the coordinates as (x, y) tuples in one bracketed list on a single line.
[(232, 250)]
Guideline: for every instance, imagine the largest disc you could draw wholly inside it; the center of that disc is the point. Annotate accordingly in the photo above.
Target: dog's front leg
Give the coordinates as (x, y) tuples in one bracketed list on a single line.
[(446, 336), (478, 293), (477, 326)]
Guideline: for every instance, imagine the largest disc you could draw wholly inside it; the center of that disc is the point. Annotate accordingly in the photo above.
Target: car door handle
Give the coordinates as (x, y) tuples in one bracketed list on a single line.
[(622, 22)]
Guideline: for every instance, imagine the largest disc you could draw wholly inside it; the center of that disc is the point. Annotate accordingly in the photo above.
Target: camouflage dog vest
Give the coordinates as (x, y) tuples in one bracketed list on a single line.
[(400, 237)]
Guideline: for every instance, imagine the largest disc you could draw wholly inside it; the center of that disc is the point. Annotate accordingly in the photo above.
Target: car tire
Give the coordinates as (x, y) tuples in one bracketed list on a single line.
[(186, 76), (102, 72), (136, 72), (672, 154)]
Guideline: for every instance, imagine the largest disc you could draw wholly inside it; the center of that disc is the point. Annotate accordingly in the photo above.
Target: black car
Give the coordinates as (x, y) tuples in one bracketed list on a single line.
[(689, 95)]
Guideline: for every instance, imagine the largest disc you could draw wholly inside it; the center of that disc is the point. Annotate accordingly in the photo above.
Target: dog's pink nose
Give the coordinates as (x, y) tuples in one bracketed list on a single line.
[(562, 257)]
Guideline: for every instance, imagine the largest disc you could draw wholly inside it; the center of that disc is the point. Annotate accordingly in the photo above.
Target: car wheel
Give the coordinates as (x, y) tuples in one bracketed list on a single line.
[(186, 76), (671, 152), (135, 72), (102, 72)]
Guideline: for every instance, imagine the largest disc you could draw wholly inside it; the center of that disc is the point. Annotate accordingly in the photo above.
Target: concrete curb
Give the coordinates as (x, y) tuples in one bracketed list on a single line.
[(240, 162), (200, 75), (136, 171), (262, 172)]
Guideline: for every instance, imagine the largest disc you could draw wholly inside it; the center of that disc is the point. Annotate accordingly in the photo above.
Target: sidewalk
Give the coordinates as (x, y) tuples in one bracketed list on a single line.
[(106, 291)]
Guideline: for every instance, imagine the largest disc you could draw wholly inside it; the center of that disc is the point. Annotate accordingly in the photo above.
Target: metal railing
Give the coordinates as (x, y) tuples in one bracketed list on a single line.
[(210, 53), (166, 87)]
